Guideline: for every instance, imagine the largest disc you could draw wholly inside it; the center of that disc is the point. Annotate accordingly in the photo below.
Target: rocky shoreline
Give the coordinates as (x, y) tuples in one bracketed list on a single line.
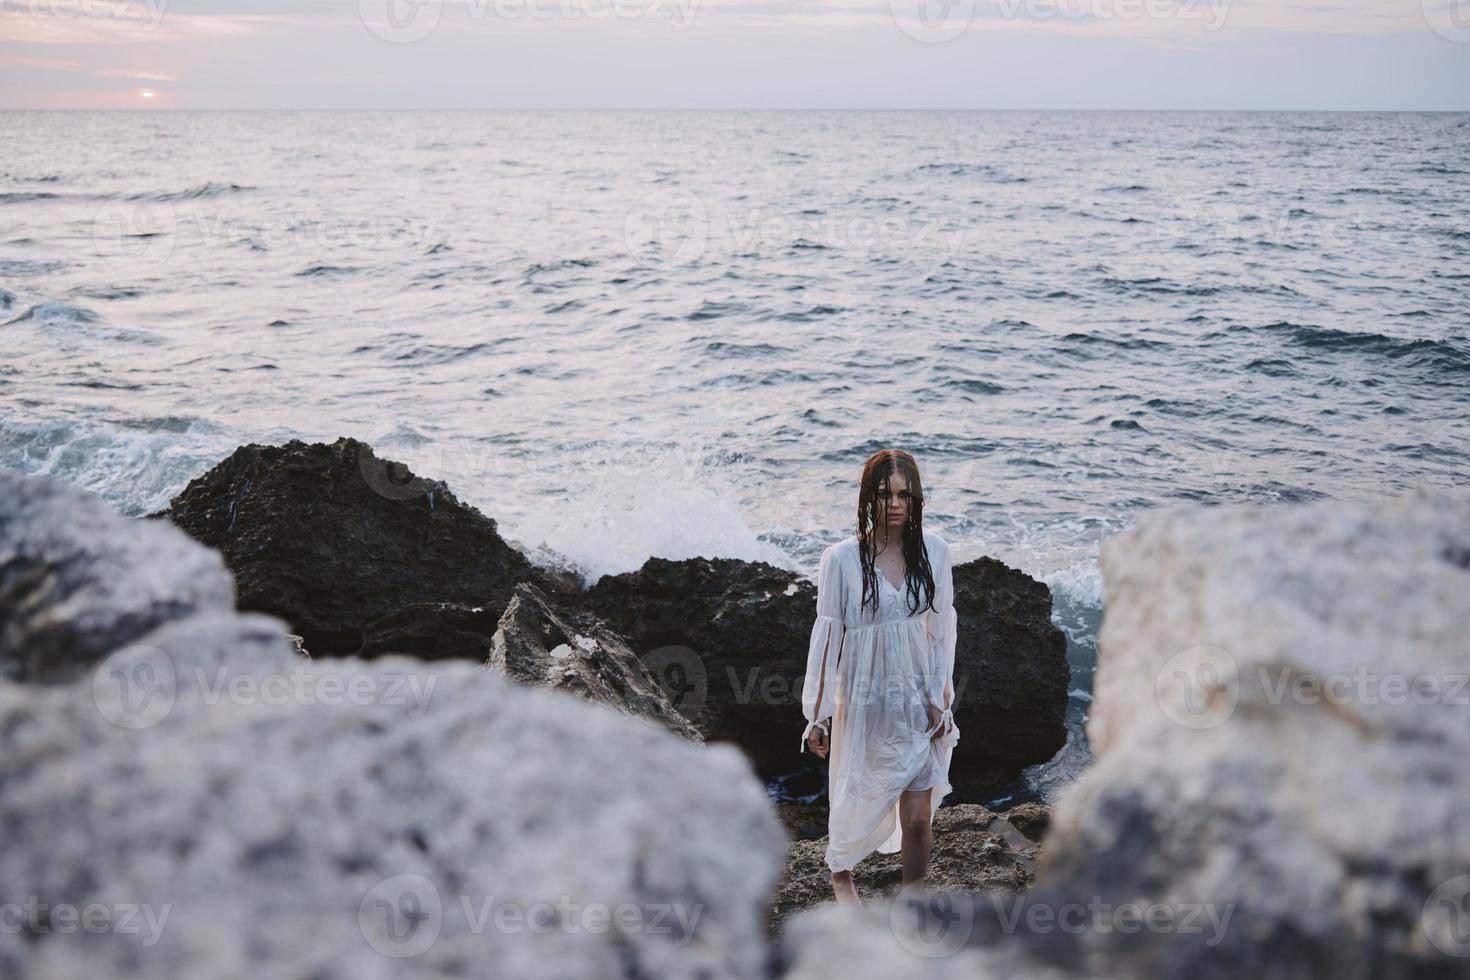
[(473, 729), (363, 558)]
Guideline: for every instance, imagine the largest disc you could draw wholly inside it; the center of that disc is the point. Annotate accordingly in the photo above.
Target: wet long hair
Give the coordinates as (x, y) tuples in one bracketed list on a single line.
[(919, 578)]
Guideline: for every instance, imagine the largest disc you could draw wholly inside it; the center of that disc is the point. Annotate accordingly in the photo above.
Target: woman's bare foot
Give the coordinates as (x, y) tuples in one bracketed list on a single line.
[(845, 890)]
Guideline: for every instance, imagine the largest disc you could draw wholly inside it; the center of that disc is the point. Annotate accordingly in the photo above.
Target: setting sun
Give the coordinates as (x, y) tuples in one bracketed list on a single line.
[(147, 93)]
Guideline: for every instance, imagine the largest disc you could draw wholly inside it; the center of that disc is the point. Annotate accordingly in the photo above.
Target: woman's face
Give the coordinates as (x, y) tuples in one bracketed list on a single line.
[(893, 500)]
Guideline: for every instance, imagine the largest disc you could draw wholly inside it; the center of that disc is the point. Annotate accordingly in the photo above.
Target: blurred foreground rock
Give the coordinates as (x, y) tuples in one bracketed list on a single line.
[(77, 583), (1281, 720), (220, 806)]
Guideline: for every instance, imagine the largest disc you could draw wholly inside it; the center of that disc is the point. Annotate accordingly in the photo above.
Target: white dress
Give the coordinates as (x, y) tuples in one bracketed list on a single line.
[(871, 675)]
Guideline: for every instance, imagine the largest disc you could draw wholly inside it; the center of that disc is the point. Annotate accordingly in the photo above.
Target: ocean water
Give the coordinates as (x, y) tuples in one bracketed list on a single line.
[(678, 334)]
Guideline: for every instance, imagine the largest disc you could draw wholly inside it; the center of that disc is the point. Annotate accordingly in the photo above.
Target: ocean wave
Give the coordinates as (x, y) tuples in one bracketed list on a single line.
[(137, 466), (200, 192), (974, 386), (426, 354), (536, 268), (714, 310), (75, 326), (972, 169), (312, 271), (1085, 340), (26, 197), (724, 348), (1440, 354), (30, 267), (809, 314), (54, 312)]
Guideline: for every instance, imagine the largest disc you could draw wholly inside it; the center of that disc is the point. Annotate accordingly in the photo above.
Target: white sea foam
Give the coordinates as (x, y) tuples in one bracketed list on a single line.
[(137, 469), (667, 504)]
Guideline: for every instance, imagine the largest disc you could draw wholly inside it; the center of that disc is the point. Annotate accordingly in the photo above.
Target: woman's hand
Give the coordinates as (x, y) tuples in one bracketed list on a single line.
[(817, 742), (934, 716)]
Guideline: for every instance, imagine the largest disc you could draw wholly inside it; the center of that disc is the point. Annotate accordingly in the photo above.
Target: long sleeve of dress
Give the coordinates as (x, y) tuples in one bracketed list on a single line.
[(943, 622), (818, 696)]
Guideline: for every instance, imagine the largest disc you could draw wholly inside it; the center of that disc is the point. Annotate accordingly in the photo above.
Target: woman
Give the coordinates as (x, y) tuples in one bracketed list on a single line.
[(880, 677)]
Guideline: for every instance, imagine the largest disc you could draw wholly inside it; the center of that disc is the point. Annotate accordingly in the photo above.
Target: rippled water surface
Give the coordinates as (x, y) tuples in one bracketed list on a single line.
[(625, 334)]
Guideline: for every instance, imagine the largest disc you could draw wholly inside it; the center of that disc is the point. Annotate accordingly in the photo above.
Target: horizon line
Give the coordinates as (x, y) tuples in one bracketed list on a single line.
[(184, 109)]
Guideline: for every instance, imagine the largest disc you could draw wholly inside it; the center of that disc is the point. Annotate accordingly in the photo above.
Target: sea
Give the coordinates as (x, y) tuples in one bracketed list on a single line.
[(628, 334)]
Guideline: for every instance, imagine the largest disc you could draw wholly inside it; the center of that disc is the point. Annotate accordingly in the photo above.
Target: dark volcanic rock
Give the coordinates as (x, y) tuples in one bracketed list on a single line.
[(803, 821), (332, 539), (573, 652), (432, 631), (974, 850), (78, 580), (729, 640), (1010, 674)]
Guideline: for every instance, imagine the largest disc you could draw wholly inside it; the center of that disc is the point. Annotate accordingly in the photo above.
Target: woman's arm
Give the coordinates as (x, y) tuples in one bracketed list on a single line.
[(943, 622), (818, 698)]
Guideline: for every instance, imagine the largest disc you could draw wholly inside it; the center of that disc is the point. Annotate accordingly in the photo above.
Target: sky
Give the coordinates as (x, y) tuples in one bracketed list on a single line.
[(935, 54)]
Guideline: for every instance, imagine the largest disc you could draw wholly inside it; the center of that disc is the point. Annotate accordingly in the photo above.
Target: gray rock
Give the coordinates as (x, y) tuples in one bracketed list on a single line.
[(219, 806), (1031, 819), (942, 936), (575, 653), (1260, 753), (78, 580)]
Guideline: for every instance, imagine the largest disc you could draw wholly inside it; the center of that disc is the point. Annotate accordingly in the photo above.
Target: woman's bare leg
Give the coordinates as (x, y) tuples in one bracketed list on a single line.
[(918, 837), (845, 890)]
